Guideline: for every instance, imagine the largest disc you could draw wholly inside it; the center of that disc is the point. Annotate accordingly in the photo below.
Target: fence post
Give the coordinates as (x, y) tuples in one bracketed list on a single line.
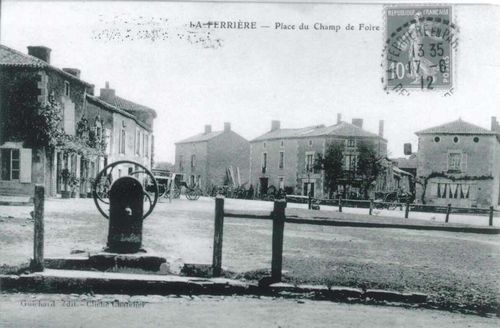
[(340, 204), (278, 216), (448, 210), (491, 215), (39, 199), (371, 206), (407, 210), (218, 230)]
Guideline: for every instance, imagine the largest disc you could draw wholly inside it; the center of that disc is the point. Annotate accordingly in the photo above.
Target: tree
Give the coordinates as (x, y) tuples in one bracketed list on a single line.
[(332, 166), (369, 166)]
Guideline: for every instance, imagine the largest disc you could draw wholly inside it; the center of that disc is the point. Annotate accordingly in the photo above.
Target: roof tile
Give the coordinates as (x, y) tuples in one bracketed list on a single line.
[(456, 127)]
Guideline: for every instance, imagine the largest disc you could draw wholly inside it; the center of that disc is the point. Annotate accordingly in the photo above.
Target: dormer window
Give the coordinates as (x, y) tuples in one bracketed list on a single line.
[(66, 88)]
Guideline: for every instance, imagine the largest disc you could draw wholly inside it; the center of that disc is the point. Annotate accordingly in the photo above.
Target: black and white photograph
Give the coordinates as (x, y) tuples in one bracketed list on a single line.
[(249, 163)]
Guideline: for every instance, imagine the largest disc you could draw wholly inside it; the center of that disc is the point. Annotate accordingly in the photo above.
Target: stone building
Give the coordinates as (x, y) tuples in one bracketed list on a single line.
[(203, 159), (458, 163), (31, 89), (285, 158)]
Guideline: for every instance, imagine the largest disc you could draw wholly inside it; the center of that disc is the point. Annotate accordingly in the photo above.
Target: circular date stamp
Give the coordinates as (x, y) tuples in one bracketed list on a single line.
[(418, 50)]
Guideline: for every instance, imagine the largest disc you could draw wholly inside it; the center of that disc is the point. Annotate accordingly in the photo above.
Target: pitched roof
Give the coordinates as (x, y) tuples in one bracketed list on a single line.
[(99, 102), (129, 105), (342, 129), (456, 127), (287, 133), (13, 58), (200, 137)]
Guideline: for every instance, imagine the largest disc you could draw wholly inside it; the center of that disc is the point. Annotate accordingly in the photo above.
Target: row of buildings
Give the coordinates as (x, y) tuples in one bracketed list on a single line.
[(456, 163), (97, 129)]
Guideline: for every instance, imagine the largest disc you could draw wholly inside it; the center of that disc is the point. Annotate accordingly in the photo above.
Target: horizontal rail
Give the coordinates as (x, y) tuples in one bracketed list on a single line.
[(248, 216)]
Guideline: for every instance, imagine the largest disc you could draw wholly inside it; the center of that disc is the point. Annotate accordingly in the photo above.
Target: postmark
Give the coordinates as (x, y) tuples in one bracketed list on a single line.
[(419, 47)]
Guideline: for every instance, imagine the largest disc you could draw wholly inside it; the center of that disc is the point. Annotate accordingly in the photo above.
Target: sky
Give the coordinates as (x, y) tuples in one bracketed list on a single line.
[(250, 77)]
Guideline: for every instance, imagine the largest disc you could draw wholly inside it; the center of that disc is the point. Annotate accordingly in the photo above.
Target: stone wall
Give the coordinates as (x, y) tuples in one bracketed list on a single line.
[(478, 173)]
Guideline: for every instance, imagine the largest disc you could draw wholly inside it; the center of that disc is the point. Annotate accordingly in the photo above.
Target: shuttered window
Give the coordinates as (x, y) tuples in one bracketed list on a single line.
[(16, 164)]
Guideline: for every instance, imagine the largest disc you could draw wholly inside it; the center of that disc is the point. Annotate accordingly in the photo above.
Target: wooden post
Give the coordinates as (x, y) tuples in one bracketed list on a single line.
[(371, 207), (491, 215), (278, 216), (340, 204), (218, 230), (448, 210), (407, 210), (37, 264)]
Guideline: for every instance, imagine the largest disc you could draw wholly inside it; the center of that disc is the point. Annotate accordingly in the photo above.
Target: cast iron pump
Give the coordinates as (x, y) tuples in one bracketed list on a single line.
[(125, 197)]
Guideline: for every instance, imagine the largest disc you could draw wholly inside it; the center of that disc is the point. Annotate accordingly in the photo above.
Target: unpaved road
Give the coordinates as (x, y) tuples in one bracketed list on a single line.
[(26, 310)]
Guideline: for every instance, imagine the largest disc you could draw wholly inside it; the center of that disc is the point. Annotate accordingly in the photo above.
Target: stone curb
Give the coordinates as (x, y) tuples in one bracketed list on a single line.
[(198, 286)]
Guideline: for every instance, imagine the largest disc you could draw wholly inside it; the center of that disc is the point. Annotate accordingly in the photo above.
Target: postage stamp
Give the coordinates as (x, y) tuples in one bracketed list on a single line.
[(419, 46)]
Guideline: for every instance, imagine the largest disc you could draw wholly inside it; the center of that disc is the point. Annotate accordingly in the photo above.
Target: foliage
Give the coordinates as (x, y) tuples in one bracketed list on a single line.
[(332, 166), (369, 166), (40, 126), (423, 180), (36, 125)]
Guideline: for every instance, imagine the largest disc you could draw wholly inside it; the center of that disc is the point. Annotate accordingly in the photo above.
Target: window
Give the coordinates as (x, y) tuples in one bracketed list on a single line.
[(137, 142), (476, 139), (351, 143), (310, 143), (193, 161), (10, 164), (309, 162), (147, 145), (265, 144), (350, 162), (454, 161), (437, 139), (123, 136), (181, 163), (264, 162), (455, 139), (281, 160), (282, 143), (66, 88)]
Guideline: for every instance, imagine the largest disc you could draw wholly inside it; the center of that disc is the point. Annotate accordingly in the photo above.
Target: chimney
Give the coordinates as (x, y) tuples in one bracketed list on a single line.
[(275, 125), (40, 52), (73, 71), (339, 118), (358, 122), (494, 124), (227, 126), (208, 128), (107, 94), (381, 128)]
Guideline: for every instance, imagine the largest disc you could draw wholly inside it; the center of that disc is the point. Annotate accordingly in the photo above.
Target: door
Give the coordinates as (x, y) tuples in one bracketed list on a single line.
[(263, 185)]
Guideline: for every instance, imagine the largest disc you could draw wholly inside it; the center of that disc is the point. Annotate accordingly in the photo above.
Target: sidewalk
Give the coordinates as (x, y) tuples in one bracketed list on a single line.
[(15, 200)]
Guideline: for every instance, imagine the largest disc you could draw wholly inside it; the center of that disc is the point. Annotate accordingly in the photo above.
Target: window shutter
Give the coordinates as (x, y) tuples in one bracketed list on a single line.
[(464, 162), (25, 165)]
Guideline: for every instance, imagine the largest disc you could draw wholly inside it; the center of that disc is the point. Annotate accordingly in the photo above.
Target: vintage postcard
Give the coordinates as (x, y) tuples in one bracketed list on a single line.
[(249, 163)]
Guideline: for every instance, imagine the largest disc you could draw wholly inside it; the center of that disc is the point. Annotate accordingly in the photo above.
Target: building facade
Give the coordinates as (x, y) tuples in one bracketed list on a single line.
[(458, 163), (36, 96), (285, 158), (204, 159)]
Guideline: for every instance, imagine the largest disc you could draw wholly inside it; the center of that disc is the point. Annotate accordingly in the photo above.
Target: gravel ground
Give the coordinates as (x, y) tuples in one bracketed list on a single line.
[(457, 270)]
